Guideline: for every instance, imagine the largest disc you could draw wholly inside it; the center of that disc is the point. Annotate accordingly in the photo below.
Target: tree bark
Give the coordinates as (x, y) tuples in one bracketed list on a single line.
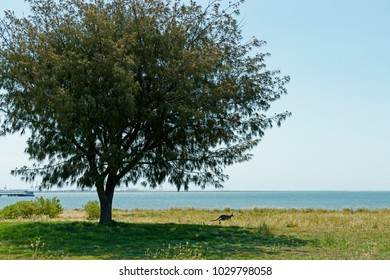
[(105, 198), (105, 207)]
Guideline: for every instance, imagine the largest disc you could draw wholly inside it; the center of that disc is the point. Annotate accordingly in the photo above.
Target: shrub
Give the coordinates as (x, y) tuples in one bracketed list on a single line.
[(20, 209), (28, 209), (347, 210), (92, 209), (49, 207)]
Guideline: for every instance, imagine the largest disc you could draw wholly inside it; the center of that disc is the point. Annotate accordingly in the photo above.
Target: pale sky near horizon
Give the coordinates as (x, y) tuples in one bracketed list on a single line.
[(337, 55)]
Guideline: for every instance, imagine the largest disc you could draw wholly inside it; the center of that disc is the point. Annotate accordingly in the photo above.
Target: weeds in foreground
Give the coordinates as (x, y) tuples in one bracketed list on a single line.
[(37, 247), (176, 252), (265, 230)]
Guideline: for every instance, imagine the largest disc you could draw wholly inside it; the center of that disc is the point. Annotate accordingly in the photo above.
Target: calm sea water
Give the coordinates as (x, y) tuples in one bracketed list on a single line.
[(222, 199)]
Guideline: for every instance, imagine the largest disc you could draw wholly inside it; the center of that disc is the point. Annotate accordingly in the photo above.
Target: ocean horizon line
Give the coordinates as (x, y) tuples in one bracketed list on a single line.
[(192, 191)]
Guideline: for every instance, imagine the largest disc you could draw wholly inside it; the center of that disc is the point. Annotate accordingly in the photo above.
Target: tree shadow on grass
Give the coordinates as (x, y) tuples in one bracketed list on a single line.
[(87, 240)]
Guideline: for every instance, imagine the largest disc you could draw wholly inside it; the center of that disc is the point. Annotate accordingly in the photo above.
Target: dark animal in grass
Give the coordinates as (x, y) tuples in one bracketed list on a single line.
[(224, 218)]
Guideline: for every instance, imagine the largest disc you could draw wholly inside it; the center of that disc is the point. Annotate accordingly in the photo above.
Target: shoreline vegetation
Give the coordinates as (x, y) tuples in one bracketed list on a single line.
[(178, 233)]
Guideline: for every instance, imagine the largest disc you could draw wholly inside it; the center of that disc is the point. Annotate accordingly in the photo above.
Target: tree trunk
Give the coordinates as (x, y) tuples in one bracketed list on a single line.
[(105, 207), (106, 197)]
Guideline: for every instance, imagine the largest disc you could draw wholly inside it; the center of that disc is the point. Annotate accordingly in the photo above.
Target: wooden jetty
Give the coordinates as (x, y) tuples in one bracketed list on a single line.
[(16, 193)]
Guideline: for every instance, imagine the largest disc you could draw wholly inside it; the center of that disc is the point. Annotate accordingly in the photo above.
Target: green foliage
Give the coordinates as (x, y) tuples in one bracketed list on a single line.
[(125, 91), (49, 207), (28, 209), (92, 209), (20, 209)]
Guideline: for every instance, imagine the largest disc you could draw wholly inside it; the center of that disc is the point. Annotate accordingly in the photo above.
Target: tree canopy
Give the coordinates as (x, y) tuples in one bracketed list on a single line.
[(126, 91)]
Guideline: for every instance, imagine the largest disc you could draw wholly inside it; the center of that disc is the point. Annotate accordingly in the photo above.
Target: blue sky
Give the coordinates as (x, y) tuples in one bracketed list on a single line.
[(337, 54)]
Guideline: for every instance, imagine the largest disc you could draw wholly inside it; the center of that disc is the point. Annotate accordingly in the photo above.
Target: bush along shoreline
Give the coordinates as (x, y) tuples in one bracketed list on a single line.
[(34, 208)]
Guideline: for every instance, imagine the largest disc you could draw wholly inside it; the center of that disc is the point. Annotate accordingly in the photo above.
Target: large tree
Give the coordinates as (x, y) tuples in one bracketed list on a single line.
[(126, 91)]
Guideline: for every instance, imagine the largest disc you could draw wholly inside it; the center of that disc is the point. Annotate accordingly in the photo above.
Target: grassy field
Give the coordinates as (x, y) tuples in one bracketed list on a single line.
[(191, 234)]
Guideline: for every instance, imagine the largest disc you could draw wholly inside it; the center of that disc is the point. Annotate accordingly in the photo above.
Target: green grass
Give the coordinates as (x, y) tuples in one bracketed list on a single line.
[(190, 234)]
